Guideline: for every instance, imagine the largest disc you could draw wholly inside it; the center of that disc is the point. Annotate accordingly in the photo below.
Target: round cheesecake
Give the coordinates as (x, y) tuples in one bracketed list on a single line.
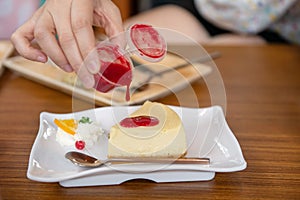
[(154, 130)]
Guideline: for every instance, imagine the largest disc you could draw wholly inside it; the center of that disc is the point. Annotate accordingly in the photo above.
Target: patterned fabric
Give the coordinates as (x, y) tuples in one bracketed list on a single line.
[(253, 16), (42, 2)]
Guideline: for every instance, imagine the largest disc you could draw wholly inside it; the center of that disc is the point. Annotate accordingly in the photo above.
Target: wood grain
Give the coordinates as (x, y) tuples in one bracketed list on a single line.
[(263, 109)]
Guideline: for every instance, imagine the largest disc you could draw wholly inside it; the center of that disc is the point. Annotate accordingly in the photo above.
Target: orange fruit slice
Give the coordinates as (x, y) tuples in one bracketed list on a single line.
[(67, 125)]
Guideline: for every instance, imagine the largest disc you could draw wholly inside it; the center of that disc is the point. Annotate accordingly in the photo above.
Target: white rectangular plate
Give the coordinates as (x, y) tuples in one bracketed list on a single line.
[(208, 135)]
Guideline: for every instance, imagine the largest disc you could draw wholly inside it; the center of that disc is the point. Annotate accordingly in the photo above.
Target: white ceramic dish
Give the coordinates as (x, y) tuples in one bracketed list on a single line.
[(208, 135)]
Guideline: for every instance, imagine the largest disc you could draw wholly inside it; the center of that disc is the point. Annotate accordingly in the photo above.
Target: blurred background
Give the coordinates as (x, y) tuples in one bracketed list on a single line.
[(183, 16)]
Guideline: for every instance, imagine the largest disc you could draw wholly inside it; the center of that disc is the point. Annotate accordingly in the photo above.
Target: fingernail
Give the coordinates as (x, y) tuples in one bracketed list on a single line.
[(88, 82), (68, 68), (93, 67), (42, 59)]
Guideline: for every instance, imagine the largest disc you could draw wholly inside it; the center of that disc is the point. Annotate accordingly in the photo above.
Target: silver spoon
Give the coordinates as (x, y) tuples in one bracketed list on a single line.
[(84, 160)]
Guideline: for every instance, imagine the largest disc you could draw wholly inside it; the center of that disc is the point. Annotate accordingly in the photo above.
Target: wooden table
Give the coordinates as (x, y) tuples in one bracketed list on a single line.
[(263, 109)]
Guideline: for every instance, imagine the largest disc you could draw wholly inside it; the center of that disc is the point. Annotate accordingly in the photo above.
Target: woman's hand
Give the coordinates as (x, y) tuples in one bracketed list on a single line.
[(64, 32)]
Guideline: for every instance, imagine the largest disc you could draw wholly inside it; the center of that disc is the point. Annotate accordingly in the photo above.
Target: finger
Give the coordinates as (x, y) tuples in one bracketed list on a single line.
[(22, 38), (68, 43), (114, 25), (81, 21), (108, 16), (45, 36)]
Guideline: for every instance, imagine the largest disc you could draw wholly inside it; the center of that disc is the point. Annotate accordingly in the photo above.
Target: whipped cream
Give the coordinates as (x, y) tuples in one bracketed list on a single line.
[(87, 132)]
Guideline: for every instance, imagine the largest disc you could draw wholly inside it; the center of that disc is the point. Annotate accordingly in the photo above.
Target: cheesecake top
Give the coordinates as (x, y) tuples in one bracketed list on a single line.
[(163, 119)]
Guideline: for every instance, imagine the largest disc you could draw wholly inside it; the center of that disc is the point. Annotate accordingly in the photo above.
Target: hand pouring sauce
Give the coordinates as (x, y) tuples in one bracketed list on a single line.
[(116, 67)]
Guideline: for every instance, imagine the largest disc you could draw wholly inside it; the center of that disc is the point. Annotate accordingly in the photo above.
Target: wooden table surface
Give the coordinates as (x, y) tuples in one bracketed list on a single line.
[(263, 109)]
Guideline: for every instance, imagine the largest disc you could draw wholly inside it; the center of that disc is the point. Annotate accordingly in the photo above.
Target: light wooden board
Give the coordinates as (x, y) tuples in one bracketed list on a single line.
[(6, 48), (159, 87)]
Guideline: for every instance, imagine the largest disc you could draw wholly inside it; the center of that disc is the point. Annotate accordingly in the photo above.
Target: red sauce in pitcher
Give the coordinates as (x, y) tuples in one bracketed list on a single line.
[(114, 71)]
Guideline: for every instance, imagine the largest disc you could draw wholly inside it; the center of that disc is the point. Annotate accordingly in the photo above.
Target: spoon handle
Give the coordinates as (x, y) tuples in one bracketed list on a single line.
[(184, 160), (85, 160)]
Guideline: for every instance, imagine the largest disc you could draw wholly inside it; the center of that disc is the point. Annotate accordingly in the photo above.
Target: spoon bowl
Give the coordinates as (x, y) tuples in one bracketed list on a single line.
[(83, 160)]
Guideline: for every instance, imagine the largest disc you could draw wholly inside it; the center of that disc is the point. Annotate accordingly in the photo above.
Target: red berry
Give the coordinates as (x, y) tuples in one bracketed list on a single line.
[(80, 144)]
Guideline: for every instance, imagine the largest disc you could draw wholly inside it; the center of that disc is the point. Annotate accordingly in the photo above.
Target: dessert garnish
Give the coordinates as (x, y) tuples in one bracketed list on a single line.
[(80, 134)]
